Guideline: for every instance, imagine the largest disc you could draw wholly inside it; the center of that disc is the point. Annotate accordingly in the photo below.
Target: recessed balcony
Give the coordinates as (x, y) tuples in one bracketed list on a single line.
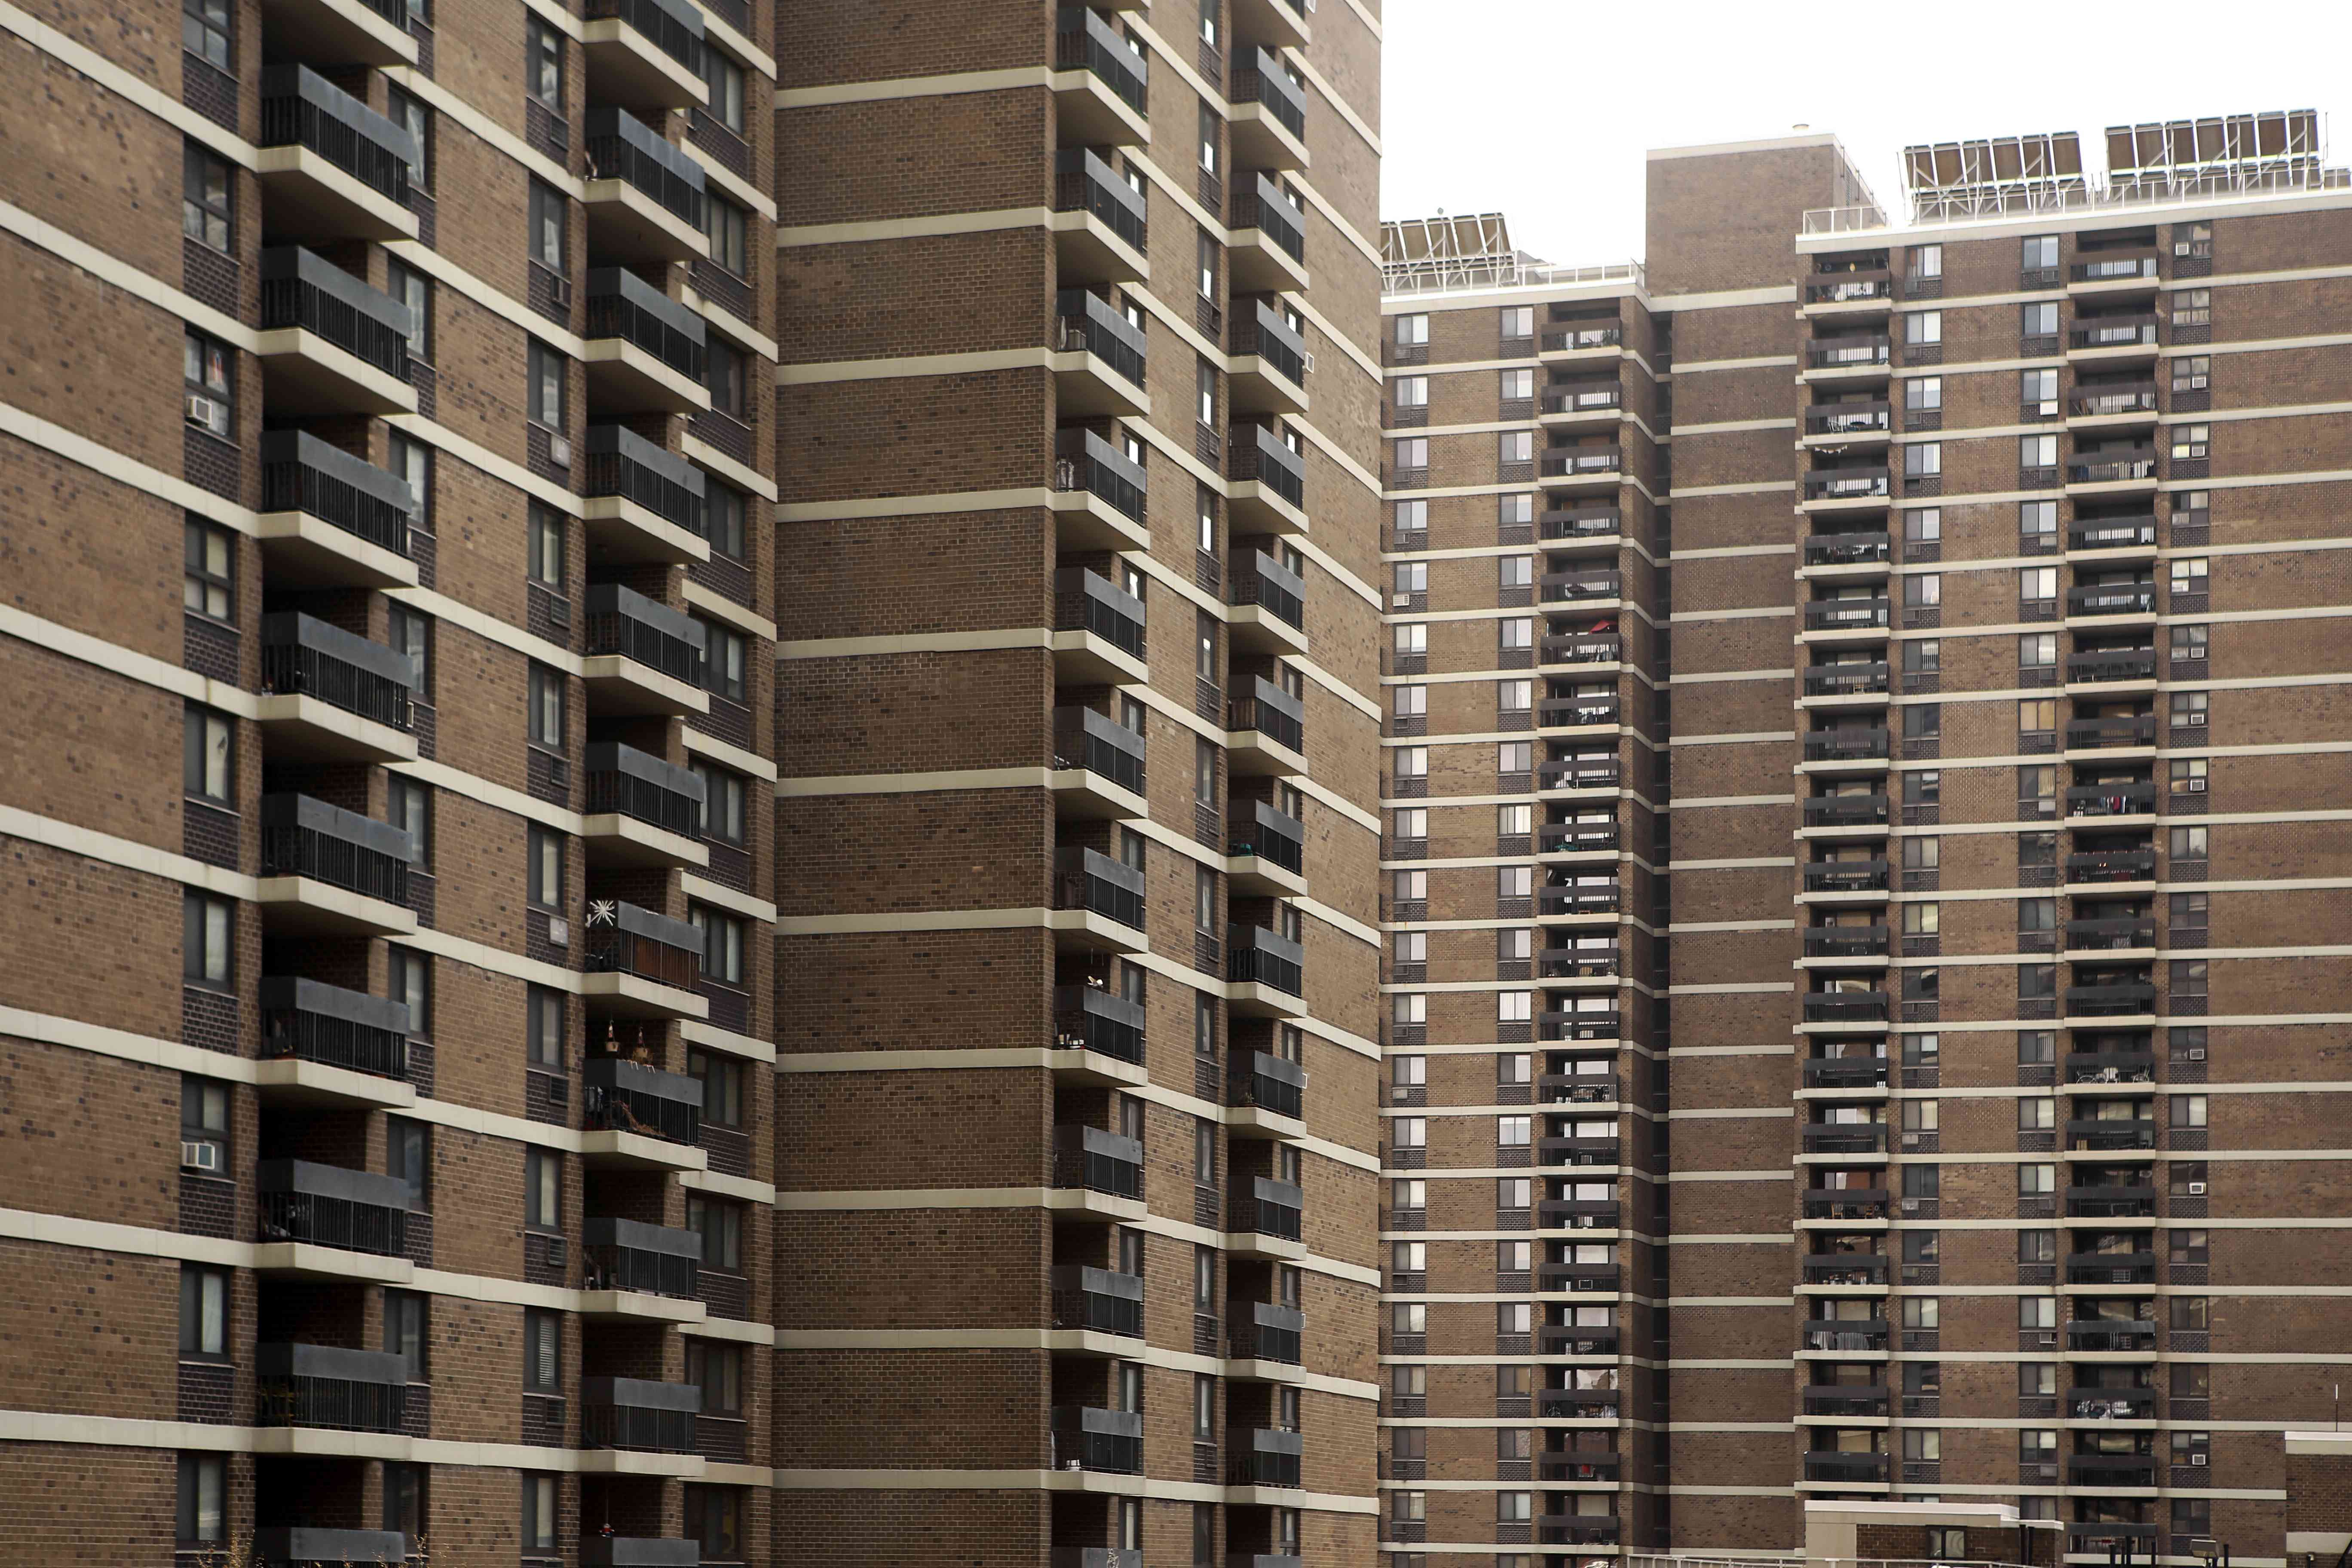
[(322, 1045), (325, 870), (642, 812), (1266, 481), (1594, 896), (330, 695), (1589, 465), (1261, 1457), (1096, 1301), (2113, 468), (630, 1269), (1572, 1150), (2111, 667), (1098, 630), (1267, 731), (2107, 869), (1266, 1211), (2115, 401), (1580, 648), (1098, 221), (1845, 812), (330, 1387), (1109, 1442), (1268, 606), (638, 1415), (1098, 902), (1097, 766), (1576, 1214), (1580, 1025), (1842, 1335), (1592, 526), (1265, 973), (644, 52), (1847, 620), (2112, 999), (643, 350), (643, 658), (1847, 678), (2112, 1336), (1856, 878), (1586, 588), (1268, 248), (1268, 858), (1833, 554), (1266, 1086), (329, 520), (644, 194), (1099, 494), (1090, 1163), (1833, 946), (640, 965), (2122, 335), (1855, 485), (1573, 776), (1099, 82), (1580, 402), (1269, 360), (2122, 537), (329, 342), (2135, 1200), (1098, 358), (1576, 839), (1276, 23), (331, 168), (1099, 1024), (1845, 1009), (1566, 715), (341, 32), (635, 1115), (1846, 744), (1264, 1331), (326, 1222), (1580, 1463), (2111, 1135), (1830, 359), (639, 1551), (1267, 112), (645, 502), (1845, 1469), (1868, 290)]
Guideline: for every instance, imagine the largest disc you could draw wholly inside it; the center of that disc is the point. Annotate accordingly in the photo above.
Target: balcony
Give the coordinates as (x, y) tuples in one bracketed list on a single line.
[(329, 344), (2133, 535), (1098, 356), (1097, 765), (1576, 839), (311, 1022), (328, 1386), (1582, 525), (1846, 1072), (640, 1271), (1580, 648), (1099, 82), (1863, 549), (2111, 800), (1575, 337), (1090, 1160), (2112, 1201), (1845, 942), (1576, 1214), (1847, 745), (1850, 679), (2111, 1403), (341, 32), (1569, 464), (1270, 1209), (1846, 811), (1587, 896), (329, 695), (1565, 400), (2111, 599), (1099, 221), (2111, 466), (1589, 959), (2124, 400), (2125, 334), (2110, 665), (1845, 1009), (1845, 1469), (1090, 1018), (2111, 1269), (1578, 1464), (1846, 1204), (331, 168), (1575, 1151), (1270, 361), (1098, 630), (639, 1551), (644, 504), (1266, 480), (1268, 113), (1845, 614), (644, 351), (644, 52), (329, 520), (1260, 1457), (1850, 286), (642, 811), (326, 1207), (2105, 1471), (314, 1546), (1580, 1404), (1856, 484), (2110, 1067), (2091, 1336), (1845, 876), (1268, 249), (641, 965), (1265, 974), (2134, 264), (1569, 774), (1266, 1332), (2112, 866), (1579, 587), (2126, 999), (1845, 1334), (1835, 1399), (1109, 1442), (325, 870), (1096, 1301), (1098, 901), (637, 1415), (643, 658), (644, 194), (1842, 1137), (2109, 935), (2107, 734), (1269, 602), (1855, 421), (1277, 25), (1267, 730), (626, 1103), (1844, 1268), (1269, 1085), (1848, 355), (2112, 1134)]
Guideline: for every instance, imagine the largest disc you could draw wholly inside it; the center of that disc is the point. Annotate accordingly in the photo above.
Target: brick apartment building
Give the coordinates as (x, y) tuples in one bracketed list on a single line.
[(1864, 859)]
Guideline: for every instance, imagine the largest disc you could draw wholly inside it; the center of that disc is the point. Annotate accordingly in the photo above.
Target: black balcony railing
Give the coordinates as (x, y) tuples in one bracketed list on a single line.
[(1861, 418), (1257, 956), (1845, 1006), (1582, 648), (1270, 1084), (1260, 1457), (318, 1546), (1098, 1300), (1088, 1019), (624, 465), (2111, 1133), (1571, 1404), (1262, 80), (1085, 464), (1572, 336), (1258, 451), (302, 837), (1845, 810), (1844, 744), (2111, 1470), (2092, 936), (1575, 838), (1845, 1333), (1845, 942), (638, 1415), (2111, 1269), (1262, 581), (1865, 549), (622, 147), (1085, 1438), (2112, 1334), (2110, 1067), (1576, 1464), (303, 657), (1580, 1214), (1845, 1268), (1846, 354), (1578, 772), (302, 289), (2111, 599), (1847, 484), (1598, 895), (1845, 1467), (638, 1552), (2112, 864), (2110, 1200), (327, 1205), (2130, 997), (1845, 876), (1261, 330), (1084, 182), (1576, 713), (2118, 664), (1091, 1160), (1570, 462), (1092, 881), (624, 306), (1845, 615), (1088, 324), (311, 1021), (326, 1386), (299, 472), (1570, 587), (1836, 1399), (1271, 1208), (2111, 1403), (2126, 730), (1600, 1149), (1086, 601), (622, 939), (1262, 205), (2112, 331), (670, 25), (1842, 1137), (631, 1256), (2109, 467), (2128, 799), (1585, 960), (1576, 524), (1580, 1023), (1852, 679), (622, 1096), (626, 624), (1274, 837), (1845, 1072), (637, 785), (1272, 712), (2091, 400), (1263, 1330), (1087, 741), (299, 108), (2134, 533), (1083, 41), (1844, 1202)]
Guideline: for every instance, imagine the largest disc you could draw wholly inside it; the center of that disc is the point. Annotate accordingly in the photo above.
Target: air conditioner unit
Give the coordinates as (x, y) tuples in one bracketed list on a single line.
[(1910, 1205), (1400, 600), (559, 611), (2046, 1338), (559, 931), (559, 451), (1910, 1140), (195, 1154), (2196, 1053), (2191, 786), (1310, 361), (210, 412), (559, 771), (559, 1091), (2198, 1460), (556, 1249), (2196, 1189), (563, 292)]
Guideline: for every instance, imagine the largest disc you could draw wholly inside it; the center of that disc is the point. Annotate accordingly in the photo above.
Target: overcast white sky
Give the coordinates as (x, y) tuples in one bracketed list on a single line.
[(1544, 109)]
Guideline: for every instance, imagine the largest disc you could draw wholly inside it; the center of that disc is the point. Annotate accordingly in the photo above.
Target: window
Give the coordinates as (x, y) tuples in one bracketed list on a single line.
[(1408, 1256), (212, 391), (722, 943), (1412, 887), (539, 1515), (1923, 459), (1410, 1131), (1921, 919), (1922, 656), (2036, 1181), (1204, 899), (548, 377), (2036, 715), (2037, 916), (2190, 710), (207, 941), (1412, 330), (1205, 1151), (547, 693), (1513, 1132), (1923, 327), (208, 756), (722, 660), (2037, 1046), (543, 1207), (1518, 386), (1412, 640), (1922, 854), (2187, 842), (2037, 396), (1517, 447), (2039, 319), (722, 1087), (1514, 882), (1515, 756), (550, 224), (1515, 821), (1204, 648), (1923, 590), (543, 63), (1924, 394), (2190, 1247), (1922, 786), (1925, 1446), (1921, 1312), (2189, 575), (546, 868), (2038, 650), (2192, 442), (2192, 307), (1411, 517), (1518, 634), (2037, 452), (724, 77), (714, 1518), (724, 376), (204, 1313), (1412, 577), (1923, 721), (1412, 391), (1412, 452), (208, 584), (207, 197), (1927, 261), (408, 112), (204, 33), (2038, 585), (203, 1499), (717, 1370), (1513, 695), (1517, 571), (1209, 132), (2037, 519), (2194, 374), (2041, 253), (404, 1331)]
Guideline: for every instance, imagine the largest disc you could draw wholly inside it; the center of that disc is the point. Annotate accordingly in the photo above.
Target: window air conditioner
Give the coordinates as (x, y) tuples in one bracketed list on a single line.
[(2046, 1338), (198, 1155), (2198, 1460), (210, 412), (559, 1091), (1910, 1205), (559, 451), (1400, 600), (2196, 1189), (559, 611), (2192, 786), (559, 931), (2196, 1053), (562, 292)]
